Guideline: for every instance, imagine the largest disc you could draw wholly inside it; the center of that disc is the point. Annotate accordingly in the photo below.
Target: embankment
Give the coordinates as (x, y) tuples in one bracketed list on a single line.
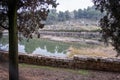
[(92, 63)]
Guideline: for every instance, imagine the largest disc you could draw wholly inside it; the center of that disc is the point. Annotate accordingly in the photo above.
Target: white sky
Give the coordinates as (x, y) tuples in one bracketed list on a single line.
[(73, 4)]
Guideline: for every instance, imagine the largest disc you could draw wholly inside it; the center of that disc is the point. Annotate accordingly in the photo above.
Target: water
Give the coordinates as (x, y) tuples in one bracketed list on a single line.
[(47, 53), (39, 51), (37, 46), (21, 48), (42, 46)]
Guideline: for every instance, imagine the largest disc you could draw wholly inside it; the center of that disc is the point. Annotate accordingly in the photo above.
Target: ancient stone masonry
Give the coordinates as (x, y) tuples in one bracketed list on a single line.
[(78, 62), (3, 56), (72, 34)]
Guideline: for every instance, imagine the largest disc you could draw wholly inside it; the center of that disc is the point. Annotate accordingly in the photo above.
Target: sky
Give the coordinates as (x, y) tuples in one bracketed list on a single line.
[(73, 4)]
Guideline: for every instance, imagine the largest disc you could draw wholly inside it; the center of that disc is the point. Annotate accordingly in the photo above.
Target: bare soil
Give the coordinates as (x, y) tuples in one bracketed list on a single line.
[(30, 72)]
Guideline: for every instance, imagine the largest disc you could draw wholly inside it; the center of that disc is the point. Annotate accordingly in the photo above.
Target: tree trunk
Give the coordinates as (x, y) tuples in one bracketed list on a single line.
[(13, 40)]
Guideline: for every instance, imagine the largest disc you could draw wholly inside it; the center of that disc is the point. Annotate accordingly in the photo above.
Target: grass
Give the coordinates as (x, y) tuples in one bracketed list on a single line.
[(36, 66), (81, 71)]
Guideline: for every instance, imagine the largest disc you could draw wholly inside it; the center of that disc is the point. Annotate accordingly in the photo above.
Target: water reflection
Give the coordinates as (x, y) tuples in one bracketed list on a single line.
[(21, 48), (4, 47), (37, 46), (47, 45), (40, 51), (42, 46), (47, 53)]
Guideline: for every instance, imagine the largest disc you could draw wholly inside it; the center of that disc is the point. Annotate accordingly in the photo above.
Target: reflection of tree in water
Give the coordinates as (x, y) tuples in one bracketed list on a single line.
[(50, 46), (3, 39), (3, 42), (55, 47)]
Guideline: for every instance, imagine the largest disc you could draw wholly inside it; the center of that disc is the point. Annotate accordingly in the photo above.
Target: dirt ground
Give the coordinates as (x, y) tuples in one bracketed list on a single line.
[(30, 72)]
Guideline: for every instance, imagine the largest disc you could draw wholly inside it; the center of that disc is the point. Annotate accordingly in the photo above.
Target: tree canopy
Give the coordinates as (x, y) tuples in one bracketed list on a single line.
[(89, 13), (25, 16), (30, 14), (110, 23)]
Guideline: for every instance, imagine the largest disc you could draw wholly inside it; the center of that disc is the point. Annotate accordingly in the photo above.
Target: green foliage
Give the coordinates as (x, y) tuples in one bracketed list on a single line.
[(110, 23), (89, 13), (52, 17), (30, 14), (25, 16), (67, 15), (61, 16)]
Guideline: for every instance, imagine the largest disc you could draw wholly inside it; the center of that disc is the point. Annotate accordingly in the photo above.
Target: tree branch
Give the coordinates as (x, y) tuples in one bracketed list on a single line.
[(5, 27)]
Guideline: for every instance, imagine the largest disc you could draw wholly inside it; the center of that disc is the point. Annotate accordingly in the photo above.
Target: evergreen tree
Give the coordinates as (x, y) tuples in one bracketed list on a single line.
[(110, 23)]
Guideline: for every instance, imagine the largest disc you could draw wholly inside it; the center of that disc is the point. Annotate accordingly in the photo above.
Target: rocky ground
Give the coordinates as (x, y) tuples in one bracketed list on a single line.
[(30, 72)]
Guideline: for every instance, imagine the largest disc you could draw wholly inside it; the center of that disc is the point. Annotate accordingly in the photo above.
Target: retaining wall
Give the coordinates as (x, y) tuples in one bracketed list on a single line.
[(72, 34), (93, 63)]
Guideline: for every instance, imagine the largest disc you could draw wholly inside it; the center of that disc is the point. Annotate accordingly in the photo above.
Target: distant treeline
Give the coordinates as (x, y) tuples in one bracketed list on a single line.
[(89, 13)]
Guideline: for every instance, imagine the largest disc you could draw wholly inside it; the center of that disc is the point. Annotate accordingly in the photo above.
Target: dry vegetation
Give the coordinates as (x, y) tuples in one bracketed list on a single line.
[(93, 52), (74, 25)]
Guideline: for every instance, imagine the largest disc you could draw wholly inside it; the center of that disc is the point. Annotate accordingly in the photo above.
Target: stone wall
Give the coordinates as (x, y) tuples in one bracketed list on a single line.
[(92, 63), (72, 34)]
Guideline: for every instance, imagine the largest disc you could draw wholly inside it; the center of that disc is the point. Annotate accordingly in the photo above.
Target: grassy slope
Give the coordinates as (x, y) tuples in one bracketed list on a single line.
[(81, 72)]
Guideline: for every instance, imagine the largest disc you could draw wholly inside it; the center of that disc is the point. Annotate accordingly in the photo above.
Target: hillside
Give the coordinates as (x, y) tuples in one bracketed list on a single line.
[(74, 25)]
